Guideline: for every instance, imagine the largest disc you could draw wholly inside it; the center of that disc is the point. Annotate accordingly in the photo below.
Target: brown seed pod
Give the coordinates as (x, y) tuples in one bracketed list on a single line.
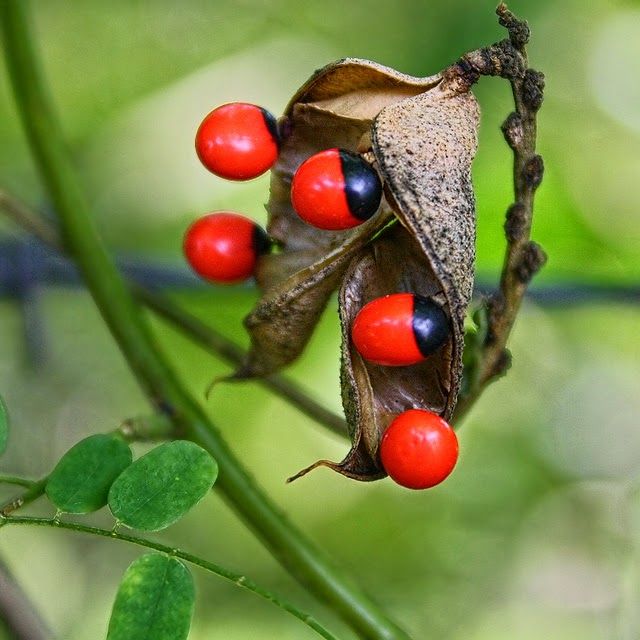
[(420, 135), (335, 108)]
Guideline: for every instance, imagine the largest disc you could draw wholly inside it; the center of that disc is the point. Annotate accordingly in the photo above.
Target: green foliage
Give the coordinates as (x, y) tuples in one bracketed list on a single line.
[(4, 426), (161, 486), (81, 480), (155, 600)]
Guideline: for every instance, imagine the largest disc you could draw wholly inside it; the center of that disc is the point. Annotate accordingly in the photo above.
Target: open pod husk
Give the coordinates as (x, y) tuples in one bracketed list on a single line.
[(420, 135)]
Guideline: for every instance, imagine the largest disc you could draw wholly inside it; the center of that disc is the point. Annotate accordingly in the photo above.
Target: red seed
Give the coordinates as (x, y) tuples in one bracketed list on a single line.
[(400, 329), (335, 189), (223, 247), (238, 141), (419, 449)]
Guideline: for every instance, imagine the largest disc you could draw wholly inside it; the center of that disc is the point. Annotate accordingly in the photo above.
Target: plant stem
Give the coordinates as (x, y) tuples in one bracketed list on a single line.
[(30, 495), (237, 578), (15, 480), (306, 562), (30, 220)]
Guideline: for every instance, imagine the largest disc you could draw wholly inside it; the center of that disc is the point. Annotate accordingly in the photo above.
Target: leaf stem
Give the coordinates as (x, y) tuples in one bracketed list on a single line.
[(15, 480), (35, 490), (304, 560), (237, 578)]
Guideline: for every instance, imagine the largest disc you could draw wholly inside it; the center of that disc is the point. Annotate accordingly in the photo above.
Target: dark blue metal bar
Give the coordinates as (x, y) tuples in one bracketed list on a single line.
[(26, 264), (27, 267)]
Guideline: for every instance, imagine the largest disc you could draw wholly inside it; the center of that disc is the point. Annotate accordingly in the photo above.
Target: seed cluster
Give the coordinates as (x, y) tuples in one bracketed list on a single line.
[(334, 189)]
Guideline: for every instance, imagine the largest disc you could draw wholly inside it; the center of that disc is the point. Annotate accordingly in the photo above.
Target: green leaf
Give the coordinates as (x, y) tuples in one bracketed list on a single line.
[(80, 481), (155, 600), (161, 486), (4, 426)]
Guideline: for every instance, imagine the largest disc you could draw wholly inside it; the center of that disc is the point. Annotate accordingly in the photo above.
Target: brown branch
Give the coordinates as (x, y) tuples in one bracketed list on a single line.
[(29, 220), (190, 325), (523, 257)]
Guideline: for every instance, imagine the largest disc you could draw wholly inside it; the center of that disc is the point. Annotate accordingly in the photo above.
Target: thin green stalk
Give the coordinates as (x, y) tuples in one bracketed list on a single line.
[(15, 480), (306, 562), (237, 578), (30, 495)]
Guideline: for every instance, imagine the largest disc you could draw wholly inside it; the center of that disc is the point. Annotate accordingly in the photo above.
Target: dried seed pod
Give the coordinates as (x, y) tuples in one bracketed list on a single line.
[(335, 108), (420, 135)]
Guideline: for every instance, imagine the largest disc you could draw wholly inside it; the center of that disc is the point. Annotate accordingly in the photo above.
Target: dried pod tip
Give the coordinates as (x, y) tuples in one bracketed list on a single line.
[(335, 189)]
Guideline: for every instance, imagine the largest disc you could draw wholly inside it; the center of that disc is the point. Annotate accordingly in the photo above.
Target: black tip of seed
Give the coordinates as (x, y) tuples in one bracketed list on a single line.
[(260, 240), (362, 185), (430, 325), (271, 124)]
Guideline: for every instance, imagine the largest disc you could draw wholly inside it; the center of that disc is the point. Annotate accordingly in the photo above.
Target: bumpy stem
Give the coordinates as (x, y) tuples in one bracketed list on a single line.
[(523, 257), (298, 555), (237, 578)]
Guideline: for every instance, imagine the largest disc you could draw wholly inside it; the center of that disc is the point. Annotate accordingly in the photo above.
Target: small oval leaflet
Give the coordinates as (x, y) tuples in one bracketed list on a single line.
[(162, 485), (155, 600), (4, 426), (81, 480)]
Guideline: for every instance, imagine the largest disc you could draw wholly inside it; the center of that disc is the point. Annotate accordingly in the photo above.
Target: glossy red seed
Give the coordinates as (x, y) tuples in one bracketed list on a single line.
[(335, 190), (223, 247), (419, 449), (238, 141), (383, 331)]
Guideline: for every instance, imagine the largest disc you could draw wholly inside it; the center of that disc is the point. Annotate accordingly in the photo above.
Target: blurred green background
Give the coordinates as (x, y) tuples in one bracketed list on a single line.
[(535, 535)]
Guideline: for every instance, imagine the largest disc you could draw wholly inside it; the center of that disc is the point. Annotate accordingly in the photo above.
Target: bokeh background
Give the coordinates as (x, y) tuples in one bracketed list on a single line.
[(535, 535)]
